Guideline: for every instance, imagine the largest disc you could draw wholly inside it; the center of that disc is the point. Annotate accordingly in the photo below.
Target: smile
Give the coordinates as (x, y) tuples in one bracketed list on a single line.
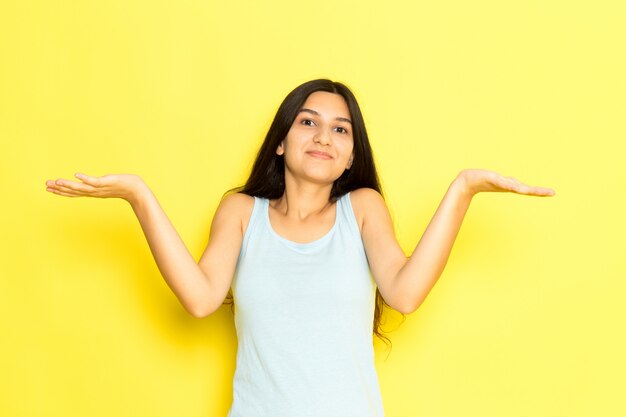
[(319, 155)]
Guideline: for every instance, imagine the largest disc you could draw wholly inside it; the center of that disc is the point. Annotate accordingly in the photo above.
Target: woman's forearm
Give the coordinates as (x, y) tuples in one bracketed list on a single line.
[(420, 272), (424, 267), (177, 266)]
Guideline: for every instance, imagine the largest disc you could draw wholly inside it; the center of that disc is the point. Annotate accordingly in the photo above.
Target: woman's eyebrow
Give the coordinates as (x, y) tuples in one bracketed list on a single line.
[(341, 119)]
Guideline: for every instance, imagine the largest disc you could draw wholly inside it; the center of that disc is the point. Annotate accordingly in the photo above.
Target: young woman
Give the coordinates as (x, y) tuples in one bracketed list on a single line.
[(308, 249)]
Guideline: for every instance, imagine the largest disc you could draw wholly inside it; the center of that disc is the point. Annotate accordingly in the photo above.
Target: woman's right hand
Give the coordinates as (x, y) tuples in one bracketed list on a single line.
[(126, 186)]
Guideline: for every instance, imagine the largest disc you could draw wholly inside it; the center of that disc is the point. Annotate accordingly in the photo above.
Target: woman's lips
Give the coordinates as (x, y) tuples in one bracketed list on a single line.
[(320, 155)]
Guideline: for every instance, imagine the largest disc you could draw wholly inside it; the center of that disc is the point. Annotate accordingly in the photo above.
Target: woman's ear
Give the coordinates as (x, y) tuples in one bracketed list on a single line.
[(350, 161), (280, 150)]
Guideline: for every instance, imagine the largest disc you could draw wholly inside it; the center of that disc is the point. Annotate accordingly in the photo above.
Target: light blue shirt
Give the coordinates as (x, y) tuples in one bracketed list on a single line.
[(304, 315)]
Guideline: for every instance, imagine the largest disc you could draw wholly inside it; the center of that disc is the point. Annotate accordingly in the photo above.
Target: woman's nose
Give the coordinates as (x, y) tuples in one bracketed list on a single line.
[(323, 137)]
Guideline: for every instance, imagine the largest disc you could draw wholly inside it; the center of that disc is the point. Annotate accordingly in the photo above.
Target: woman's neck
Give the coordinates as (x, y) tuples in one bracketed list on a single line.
[(301, 200)]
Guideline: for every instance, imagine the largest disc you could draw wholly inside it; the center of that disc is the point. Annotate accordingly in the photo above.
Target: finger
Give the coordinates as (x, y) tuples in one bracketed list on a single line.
[(54, 184), (70, 186), (509, 184), (87, 179), (537, 191), (60, 192), (543, 191), (64, 190)]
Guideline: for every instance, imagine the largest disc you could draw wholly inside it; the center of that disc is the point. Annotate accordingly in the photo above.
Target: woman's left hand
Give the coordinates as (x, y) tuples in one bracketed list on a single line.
[(475, 181)]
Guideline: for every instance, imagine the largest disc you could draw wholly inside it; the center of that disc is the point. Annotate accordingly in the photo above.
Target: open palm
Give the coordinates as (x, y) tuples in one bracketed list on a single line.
[(480, 180), (107, 186)]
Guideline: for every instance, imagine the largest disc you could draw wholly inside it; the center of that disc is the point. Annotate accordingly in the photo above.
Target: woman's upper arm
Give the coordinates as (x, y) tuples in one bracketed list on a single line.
[(384, 254), (219, 260)]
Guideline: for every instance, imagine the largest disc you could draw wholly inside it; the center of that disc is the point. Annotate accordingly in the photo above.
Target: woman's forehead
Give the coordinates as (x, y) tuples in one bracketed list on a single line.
[(327, 103)]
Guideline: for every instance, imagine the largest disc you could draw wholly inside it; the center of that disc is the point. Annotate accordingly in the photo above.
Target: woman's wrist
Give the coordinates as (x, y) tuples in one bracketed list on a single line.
[(137, 191), (462, 185)]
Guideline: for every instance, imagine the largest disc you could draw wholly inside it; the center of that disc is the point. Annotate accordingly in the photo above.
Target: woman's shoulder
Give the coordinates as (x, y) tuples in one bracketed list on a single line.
[(239, 206), (364, 196), (363, 200), (238, 203), (240, 200)]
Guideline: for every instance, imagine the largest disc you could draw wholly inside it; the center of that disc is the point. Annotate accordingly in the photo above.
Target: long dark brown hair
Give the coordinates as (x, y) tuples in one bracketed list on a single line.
[(267, 179)]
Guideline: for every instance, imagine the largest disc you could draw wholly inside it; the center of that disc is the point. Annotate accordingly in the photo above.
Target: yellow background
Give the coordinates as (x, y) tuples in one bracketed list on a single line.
[(528, 318)]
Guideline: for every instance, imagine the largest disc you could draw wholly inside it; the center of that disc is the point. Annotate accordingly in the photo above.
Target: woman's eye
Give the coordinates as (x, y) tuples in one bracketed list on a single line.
[(307, 122), (342, 130)]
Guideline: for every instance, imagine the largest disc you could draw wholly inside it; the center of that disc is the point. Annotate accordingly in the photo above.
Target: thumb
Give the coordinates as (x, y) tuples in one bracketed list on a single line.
[(87, 179)]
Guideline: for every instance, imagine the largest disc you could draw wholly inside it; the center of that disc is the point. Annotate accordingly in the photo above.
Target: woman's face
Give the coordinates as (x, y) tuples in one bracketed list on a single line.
[(319, 145)]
